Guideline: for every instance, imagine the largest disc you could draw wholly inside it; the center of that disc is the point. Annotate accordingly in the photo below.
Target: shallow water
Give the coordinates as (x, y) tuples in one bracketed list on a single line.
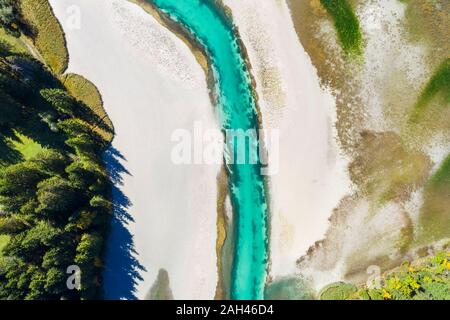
[(237, 109)]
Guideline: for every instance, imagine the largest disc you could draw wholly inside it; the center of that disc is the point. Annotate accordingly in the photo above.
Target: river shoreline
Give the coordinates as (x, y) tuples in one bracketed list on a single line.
[(292, 101), (200, 54), (216, 32), (137, 75)]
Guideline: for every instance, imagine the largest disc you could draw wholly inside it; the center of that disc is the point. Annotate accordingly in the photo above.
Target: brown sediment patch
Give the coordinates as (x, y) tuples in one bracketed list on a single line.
[(358, 263), (372, 227), (387, 166), (359, 236), (227, 252), (385, 170), (429, 22), (333, 68), (271, 86), (222, 232)]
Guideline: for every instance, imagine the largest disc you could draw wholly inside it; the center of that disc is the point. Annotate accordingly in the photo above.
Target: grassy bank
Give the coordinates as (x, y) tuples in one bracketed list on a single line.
[(86, 92), (346, 24), (48, 36)]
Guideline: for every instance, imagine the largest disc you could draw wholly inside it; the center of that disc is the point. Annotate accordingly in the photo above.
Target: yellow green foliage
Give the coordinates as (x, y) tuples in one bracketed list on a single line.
[(48, 34), (3, 242), (428, 280), (27, 147), (86, 92), (11, 43), (337, 291)]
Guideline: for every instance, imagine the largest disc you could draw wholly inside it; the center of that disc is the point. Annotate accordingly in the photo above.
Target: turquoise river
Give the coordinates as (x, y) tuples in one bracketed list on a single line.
[(206, 22)]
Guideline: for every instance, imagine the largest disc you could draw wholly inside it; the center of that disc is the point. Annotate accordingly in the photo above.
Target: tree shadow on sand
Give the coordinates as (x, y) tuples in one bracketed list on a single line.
[(122, 269)]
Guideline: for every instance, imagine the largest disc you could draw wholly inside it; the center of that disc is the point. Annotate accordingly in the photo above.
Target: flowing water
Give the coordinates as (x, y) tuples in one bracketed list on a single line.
[(237, 108)]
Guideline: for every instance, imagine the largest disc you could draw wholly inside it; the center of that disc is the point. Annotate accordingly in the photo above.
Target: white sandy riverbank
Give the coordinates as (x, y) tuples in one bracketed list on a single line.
[(151, 85), (312, 175)]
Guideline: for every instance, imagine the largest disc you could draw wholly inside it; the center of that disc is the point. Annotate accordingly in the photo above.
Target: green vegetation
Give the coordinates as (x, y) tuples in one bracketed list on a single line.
[(435, 211), (346, 24), (427, 279), (27, 147), (337, 291), (50, 198), (3, 242), (48, 36), (54, 188), (438, 84), (86, 92), (442, 177), (10, 43)]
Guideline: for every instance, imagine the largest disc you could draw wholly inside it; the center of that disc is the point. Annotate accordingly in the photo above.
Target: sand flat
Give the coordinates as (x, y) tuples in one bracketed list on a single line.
[(312, 176), (151, 85)]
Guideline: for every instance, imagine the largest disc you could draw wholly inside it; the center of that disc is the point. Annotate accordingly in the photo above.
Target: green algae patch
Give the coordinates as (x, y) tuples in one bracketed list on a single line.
[(337, 291), (346, 24), (435, 212), (439, 84)]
